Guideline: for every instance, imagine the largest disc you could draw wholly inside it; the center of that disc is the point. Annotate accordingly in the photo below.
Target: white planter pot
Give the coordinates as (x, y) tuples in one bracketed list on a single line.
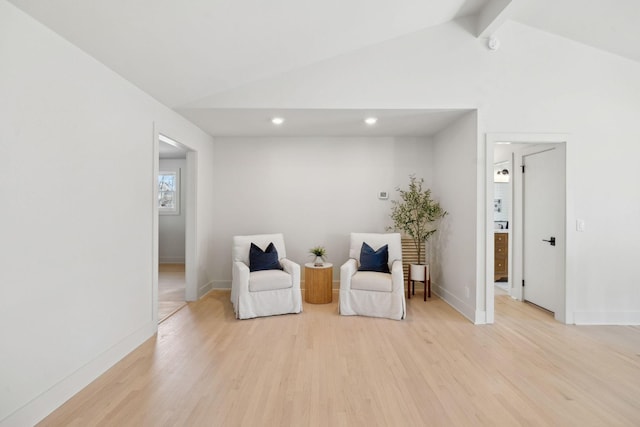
[(418, 272)]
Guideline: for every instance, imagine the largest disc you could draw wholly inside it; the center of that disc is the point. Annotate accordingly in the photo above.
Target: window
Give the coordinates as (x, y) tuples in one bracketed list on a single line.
[(168, 193)]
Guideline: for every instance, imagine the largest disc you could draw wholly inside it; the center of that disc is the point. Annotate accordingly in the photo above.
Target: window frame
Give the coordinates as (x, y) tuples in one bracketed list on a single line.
[(172, 210)]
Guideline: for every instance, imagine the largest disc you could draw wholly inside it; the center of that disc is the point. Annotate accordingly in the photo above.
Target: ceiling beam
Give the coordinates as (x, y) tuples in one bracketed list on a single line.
[(492, 16)]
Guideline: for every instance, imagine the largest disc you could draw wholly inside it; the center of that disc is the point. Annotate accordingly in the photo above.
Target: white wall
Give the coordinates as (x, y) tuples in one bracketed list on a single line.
[(537, 83), (314, 190), (171, 230), (454, 246), (77, 150), (502, 153), (502, 192)]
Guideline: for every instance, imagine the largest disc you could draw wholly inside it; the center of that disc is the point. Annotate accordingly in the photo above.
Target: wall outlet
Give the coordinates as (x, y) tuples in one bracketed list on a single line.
[(580, 225), (467, 291)]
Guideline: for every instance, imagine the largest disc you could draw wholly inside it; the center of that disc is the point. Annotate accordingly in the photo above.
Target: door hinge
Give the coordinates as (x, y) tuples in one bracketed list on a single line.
[(523, 283), (522, 168)]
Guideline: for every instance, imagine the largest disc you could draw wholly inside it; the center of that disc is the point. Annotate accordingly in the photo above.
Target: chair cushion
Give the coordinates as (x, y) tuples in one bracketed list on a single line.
[(372, 281), (267, 280), (263, 260), (372, 260)]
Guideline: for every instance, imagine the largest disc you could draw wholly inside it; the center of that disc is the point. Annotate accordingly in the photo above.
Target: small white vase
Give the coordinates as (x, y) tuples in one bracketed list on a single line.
[(319, 262), (418, 272)]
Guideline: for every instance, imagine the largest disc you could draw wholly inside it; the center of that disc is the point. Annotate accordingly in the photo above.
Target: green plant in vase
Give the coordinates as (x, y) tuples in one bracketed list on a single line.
[(320, 253)]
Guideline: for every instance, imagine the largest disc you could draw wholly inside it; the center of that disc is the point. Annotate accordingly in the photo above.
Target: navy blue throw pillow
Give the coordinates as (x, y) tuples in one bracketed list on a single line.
[(371, 260), (263, 260)]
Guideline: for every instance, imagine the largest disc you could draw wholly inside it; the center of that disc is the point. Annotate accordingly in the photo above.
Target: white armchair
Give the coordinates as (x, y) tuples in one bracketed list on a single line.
[(373, 293), (264, 292)]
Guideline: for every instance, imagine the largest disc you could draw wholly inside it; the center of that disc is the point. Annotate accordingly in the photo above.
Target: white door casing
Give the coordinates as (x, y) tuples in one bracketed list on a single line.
[(191, 256), (520, 141)]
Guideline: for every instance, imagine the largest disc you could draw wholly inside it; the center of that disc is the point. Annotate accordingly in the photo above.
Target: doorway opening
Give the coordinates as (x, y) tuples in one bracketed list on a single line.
[(502, 219), (507, 220), (171, 289), (174, 280)]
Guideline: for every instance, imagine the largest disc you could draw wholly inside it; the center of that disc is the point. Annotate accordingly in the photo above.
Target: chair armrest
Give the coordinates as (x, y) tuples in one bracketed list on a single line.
[(293, 269), (239, 283), (347, 270), (240, 276), (397, 276)]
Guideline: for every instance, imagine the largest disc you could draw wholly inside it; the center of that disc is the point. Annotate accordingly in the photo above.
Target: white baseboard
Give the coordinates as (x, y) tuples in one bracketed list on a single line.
[(221, 284), (204, 289), (458, 304), (226, 284), (622, 318), (42, 405)]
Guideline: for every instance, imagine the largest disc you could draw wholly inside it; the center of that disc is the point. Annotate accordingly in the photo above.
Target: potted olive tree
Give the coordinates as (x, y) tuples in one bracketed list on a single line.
[(414, 215)]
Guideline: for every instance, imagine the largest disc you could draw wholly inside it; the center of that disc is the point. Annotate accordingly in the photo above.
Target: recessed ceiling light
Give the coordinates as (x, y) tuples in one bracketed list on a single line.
[(277, 120), (371, 121)]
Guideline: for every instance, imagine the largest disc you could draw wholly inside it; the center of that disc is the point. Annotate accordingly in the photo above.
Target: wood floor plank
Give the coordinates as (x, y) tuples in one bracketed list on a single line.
[(205, 368), (171, 289)]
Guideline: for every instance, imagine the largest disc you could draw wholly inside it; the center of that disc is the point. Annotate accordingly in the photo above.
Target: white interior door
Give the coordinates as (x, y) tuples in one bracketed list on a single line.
[(543, 227)]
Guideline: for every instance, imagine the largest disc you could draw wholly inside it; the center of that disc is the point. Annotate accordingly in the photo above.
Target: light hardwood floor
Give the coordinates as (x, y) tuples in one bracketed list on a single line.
[(171, 284), (317, 368)]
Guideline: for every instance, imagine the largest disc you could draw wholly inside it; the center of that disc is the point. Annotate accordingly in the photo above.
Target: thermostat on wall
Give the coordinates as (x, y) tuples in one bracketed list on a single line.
[(383, 195)]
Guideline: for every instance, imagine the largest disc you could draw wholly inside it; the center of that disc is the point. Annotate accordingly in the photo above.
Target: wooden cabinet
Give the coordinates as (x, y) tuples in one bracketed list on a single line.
[(501, 257)]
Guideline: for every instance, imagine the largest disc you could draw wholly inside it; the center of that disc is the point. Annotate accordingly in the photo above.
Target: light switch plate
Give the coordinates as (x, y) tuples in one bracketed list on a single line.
[(580, 225)]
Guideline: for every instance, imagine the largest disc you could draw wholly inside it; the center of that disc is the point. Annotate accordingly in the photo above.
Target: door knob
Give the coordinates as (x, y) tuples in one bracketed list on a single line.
[(552, 241)]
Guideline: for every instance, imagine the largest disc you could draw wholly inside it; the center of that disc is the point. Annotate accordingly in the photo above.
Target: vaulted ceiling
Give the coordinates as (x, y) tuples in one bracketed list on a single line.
[(183, 51)]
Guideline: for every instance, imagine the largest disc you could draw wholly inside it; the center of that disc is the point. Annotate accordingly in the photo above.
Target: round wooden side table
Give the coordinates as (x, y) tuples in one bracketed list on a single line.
[(318, 283)]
